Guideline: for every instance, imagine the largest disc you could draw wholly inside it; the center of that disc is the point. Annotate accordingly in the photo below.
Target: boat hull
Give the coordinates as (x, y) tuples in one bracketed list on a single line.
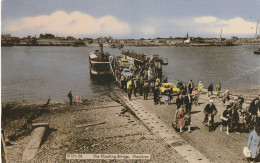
[(100, 70), (257, 52)]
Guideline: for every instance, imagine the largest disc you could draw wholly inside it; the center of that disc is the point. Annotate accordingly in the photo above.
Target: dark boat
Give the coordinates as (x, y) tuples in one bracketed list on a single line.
[(257, 51), (99, 64)]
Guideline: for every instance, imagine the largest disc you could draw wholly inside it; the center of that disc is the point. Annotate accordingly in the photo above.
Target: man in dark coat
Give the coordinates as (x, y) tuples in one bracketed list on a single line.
[(145, 90), (190, 86), (210, 89), (178, 84), (254, 106), (156, 95), (140, 86), (188, 102), (179, 101), (210, 109), (136, 84), (236, 108), (70, 97)]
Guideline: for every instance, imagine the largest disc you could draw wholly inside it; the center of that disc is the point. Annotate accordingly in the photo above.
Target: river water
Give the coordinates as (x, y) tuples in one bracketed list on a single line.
[(32, 74)]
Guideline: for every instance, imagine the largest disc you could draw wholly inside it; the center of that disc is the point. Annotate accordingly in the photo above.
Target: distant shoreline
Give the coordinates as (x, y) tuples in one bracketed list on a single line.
[(148, 45)]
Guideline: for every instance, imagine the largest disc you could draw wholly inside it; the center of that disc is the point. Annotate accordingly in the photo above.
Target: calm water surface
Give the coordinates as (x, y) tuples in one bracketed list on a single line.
[(38, 73)]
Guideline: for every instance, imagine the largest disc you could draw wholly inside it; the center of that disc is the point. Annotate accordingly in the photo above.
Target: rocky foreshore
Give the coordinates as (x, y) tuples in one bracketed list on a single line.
[(116, 132)]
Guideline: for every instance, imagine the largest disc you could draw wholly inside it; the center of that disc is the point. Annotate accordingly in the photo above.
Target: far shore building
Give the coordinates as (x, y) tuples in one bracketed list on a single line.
[(175, 41)]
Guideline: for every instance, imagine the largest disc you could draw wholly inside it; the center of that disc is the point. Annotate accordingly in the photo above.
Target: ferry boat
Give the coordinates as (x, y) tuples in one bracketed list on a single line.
[(99, 64)]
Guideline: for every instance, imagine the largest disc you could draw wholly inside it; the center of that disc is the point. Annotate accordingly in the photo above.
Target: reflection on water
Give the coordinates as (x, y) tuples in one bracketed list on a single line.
[(39, 73)]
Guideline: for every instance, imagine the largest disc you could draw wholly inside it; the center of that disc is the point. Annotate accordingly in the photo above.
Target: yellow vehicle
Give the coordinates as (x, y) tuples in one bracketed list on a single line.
[(125, 63), (165, 86)]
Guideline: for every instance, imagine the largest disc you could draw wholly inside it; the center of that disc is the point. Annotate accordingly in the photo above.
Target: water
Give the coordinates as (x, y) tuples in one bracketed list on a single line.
[(37, 73)]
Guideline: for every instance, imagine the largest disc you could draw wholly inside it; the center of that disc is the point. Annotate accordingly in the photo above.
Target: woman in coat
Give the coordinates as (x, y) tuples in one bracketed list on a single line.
[(253, 143), (180, 118)]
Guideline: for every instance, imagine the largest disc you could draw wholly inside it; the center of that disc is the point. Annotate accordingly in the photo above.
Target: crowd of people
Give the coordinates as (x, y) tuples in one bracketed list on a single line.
[(142, 80), (233, 118)]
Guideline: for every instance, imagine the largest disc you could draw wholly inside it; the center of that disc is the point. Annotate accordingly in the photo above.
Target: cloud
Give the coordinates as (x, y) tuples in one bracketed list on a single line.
[(205, 19), (204, 26), (235, 26), (75, 23), (80, 25)]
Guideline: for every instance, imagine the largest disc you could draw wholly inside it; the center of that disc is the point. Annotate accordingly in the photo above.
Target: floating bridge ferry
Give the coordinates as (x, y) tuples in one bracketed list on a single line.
[(99, 64)]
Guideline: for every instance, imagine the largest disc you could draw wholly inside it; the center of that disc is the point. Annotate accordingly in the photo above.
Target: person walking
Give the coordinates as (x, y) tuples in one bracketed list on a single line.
[(156, 95), (135, 85), (145, 90), (195, 96), (129, 88), (226, 117), (140, 86), (180, 119), (122, 81), (210, 89), (70, 97), (185, 89), (235, 115), (200, 86), (78, 99), (226, 97), (218, 88), (188, 102), (179, 101), (254, 108), (187, 119), (210, 109), (253, 144), (190, 86)]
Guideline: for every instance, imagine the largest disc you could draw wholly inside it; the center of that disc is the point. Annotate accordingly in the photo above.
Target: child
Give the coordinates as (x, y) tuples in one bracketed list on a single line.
[(78, 98), (187, 119)]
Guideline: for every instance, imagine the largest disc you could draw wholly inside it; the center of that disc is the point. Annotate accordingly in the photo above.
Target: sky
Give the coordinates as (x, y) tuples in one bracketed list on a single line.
[(131, 18)]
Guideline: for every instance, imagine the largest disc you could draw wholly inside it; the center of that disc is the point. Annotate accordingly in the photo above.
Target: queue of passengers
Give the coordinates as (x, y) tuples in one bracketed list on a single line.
[(234, 117)]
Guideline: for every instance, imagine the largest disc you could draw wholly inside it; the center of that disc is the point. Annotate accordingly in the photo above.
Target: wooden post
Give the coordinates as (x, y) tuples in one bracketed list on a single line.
[(4, 145)]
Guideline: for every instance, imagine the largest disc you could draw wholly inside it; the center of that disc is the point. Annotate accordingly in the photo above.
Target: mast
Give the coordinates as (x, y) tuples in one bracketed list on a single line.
[(256, 29), (221, 35)]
